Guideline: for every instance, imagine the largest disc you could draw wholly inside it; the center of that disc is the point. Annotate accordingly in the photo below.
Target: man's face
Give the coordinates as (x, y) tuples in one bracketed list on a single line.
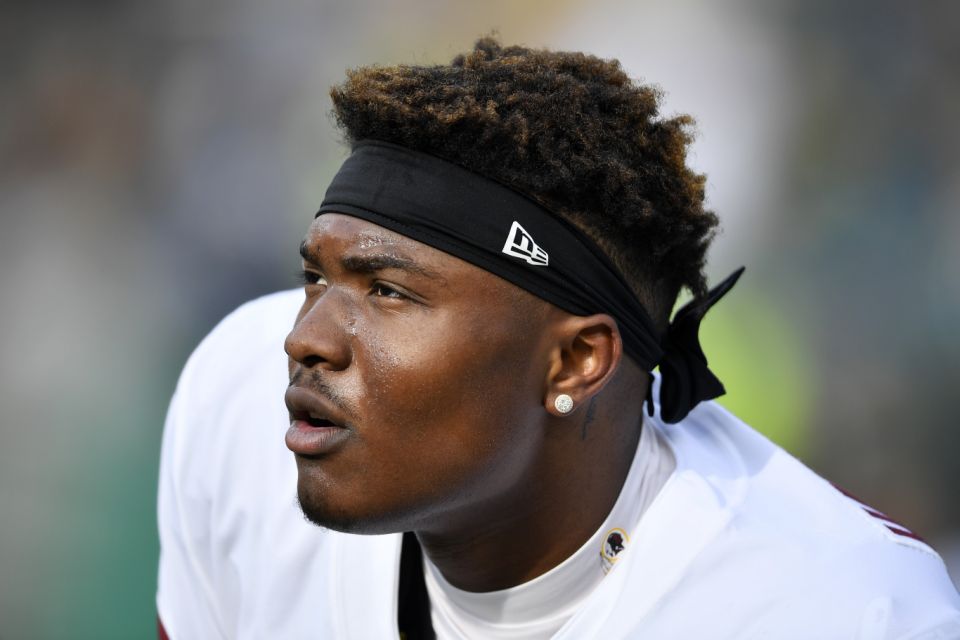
[(433, 371)]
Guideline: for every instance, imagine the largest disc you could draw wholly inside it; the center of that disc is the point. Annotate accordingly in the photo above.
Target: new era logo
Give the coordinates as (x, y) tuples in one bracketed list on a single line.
[(520, 244)]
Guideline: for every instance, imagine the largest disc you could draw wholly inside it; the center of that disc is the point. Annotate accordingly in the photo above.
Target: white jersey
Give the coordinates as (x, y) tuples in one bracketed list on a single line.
[(742, 541)]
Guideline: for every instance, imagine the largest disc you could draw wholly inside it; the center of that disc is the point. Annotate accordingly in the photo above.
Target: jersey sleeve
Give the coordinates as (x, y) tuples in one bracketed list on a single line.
[(187, 606)]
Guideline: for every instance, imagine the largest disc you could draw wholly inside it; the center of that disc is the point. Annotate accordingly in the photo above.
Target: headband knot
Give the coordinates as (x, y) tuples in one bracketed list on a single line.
[(685, 379)]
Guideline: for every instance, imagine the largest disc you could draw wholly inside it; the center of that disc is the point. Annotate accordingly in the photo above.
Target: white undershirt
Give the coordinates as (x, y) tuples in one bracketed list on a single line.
[(540, 607)]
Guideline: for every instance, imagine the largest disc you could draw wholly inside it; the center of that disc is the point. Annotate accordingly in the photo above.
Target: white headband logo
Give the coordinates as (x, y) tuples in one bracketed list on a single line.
[(520, 244)]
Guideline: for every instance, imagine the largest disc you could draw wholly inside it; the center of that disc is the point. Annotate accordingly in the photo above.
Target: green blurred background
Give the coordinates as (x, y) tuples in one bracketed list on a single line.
[(160, 162)]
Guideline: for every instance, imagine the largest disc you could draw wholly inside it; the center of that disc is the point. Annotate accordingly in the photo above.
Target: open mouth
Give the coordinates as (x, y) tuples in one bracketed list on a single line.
[(312, 432), (313, 421), (320, 422)]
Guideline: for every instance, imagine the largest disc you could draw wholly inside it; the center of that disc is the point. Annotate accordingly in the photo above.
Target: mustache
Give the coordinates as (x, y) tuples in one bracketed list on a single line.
[(312, 381)]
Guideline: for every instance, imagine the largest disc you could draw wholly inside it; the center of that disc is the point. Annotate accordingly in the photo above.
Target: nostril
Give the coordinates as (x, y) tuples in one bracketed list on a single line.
[(311, 361)]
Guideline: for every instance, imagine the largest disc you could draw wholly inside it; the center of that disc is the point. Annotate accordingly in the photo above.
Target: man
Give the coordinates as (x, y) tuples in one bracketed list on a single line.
[(470, 408)]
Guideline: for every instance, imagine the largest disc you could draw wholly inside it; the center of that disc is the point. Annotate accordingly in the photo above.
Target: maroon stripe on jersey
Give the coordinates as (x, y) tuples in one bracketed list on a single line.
[(161, 632), (880, 515), (896, 527), (906, 533)]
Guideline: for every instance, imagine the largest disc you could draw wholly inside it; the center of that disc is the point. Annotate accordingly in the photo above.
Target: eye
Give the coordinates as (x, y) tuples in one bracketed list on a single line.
[(308, 278), (385, 291)]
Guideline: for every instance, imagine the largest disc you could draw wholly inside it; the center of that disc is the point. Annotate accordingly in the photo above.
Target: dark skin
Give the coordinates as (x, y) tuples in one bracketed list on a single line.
[(444, 377)]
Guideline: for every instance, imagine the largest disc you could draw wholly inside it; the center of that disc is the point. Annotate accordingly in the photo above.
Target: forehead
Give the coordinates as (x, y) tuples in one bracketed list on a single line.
[(355, 233), (335, 237)]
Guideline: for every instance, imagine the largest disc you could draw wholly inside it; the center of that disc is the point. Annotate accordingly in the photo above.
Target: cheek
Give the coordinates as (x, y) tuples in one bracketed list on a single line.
[(446, 362), (450, 397)]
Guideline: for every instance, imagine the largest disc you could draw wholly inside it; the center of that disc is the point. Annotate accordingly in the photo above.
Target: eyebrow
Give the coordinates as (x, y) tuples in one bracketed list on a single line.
[(373, 262)]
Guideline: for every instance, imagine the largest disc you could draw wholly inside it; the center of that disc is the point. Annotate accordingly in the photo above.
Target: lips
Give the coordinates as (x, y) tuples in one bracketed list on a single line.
[(316, 426)]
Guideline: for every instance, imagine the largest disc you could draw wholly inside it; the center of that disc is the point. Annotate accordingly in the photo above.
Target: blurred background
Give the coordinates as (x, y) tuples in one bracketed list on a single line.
[(160, 161)]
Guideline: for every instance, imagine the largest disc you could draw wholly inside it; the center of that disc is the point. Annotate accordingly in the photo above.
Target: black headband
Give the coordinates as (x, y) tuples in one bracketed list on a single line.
[(506, 233)]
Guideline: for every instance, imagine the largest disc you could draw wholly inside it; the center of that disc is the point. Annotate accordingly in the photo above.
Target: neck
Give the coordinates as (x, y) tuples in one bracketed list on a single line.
[(554, 508)]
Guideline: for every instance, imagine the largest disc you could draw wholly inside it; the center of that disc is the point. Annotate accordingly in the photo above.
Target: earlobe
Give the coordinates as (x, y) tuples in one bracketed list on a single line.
[(589, 353)]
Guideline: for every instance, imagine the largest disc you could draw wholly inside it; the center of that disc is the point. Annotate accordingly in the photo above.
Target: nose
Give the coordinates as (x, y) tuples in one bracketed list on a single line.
[(317, 339)]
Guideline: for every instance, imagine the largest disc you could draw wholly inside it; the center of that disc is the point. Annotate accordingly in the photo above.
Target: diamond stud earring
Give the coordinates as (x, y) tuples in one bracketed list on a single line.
[(563, 403)]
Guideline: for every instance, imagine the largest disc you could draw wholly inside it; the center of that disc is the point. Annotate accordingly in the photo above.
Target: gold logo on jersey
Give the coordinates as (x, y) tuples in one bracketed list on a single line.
[(614, 542)]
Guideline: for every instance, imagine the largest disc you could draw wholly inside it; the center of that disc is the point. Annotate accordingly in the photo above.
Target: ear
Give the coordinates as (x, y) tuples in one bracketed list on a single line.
[(586, 356)]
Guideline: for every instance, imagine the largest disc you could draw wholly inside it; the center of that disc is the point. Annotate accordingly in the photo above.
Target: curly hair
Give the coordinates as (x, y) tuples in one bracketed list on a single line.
[(569, 130)]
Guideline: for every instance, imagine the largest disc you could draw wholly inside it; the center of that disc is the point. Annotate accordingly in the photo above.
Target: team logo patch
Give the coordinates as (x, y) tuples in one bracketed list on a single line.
[(520, 244), (613, 545)]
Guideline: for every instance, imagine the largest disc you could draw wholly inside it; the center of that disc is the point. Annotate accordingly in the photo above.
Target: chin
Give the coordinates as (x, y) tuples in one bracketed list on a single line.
[(319, 510)]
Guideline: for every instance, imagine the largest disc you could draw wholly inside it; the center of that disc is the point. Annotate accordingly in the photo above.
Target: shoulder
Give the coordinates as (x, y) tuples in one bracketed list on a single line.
[(795, 548), (228, 404), (253, 331), (229, 397), (768, 493)]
